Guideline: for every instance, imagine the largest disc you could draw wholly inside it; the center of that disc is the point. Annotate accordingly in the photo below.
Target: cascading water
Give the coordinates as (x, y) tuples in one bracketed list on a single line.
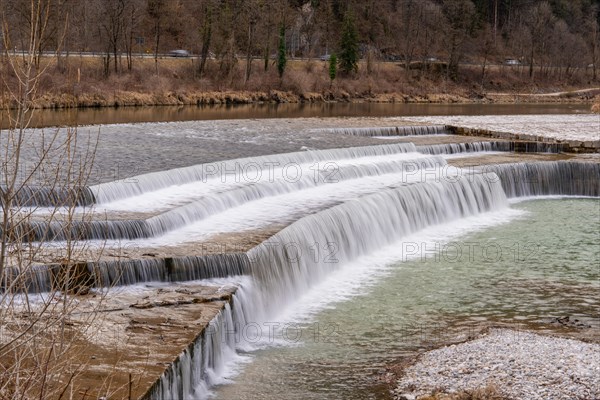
[(379, 195), (35, 279), (43, 278), (302, 254), (228, 170), (38, 196), (200, 364), (472, 147), (171, 269), (416, 130), (286, 265), (548, 178), (203, 363), (212, 204)]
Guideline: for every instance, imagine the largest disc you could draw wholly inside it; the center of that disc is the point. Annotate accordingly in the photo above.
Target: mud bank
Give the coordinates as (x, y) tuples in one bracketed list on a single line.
[(120, 98)]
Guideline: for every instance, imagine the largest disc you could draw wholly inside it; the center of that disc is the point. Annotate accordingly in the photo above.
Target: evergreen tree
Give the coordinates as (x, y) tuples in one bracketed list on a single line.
[(281, 57), (349, 46), (332, 68)]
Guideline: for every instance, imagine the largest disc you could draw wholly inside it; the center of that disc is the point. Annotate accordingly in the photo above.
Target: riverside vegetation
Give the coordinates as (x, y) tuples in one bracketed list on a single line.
[(116, 53), (304, 81)]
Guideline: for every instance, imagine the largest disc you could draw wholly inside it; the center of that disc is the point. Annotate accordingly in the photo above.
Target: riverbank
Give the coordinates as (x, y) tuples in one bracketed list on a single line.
[(80, 82), (505, 364), (123, 98)]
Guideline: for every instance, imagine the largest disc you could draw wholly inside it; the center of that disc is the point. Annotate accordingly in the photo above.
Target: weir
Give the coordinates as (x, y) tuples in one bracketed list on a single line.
[(284, 266), (548, 178), (454, 148), (416, 130), (211, 204), (202, 363), (37, 196), (543, 142), (379, 195), (226, 170)]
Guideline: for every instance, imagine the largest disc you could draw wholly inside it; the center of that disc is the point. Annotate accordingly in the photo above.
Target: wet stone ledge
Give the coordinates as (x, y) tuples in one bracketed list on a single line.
[(532, 143), (140, 334)]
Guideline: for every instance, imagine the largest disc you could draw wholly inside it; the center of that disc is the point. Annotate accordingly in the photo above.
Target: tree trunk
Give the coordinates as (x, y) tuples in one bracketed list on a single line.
[(531, 58), (156, 43), (116, 60), (249, 51), (206, 39)]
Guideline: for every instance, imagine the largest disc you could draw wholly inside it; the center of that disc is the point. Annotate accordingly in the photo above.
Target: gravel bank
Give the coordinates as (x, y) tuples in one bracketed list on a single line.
[(522, 365)]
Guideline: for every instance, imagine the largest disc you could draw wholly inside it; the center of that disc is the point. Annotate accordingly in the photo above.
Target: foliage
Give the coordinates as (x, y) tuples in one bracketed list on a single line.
[(349, 46), (332, 67), (281, 53)]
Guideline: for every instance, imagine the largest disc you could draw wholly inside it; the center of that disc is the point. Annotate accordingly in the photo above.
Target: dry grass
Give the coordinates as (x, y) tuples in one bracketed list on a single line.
[(596, 105), (81, 82)]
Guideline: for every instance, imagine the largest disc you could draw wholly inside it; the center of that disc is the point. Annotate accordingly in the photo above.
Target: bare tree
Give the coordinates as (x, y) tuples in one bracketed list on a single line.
[(540, 22), (251, 13), (113, 12), (487, 47), (38, 347), (591, 36), (460, 24), (206, 36), (156, 11), (131, 21)]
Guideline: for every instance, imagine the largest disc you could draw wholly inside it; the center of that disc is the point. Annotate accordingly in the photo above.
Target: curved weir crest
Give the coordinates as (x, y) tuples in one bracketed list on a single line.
[(287, 207), (415, 130), (137, 185), (212, 204), (285, 265), (319, 171)]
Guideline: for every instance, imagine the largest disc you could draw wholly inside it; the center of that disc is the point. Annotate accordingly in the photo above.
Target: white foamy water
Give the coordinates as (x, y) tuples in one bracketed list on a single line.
[(356, 278), (245, 175)]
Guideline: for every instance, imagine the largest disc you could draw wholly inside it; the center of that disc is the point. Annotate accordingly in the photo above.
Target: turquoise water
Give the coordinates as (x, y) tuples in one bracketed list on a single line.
[(544, 263)]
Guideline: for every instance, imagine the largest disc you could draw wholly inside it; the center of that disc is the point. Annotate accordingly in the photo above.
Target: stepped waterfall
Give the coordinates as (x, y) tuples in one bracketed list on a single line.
[(361, 226), (285, 266), (347, 203)]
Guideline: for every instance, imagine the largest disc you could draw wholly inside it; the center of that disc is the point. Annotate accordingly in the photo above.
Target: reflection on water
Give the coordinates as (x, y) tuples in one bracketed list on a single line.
[(109, 115)]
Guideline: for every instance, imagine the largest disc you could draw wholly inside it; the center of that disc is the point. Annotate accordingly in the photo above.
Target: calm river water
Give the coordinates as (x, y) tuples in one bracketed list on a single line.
[(94, 116)]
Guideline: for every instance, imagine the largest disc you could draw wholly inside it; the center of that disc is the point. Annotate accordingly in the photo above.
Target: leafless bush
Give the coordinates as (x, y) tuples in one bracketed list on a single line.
[(40, 340), (596, 106)]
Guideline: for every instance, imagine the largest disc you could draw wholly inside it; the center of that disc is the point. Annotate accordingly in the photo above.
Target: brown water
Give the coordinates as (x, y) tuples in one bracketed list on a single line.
[(106, 115)]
